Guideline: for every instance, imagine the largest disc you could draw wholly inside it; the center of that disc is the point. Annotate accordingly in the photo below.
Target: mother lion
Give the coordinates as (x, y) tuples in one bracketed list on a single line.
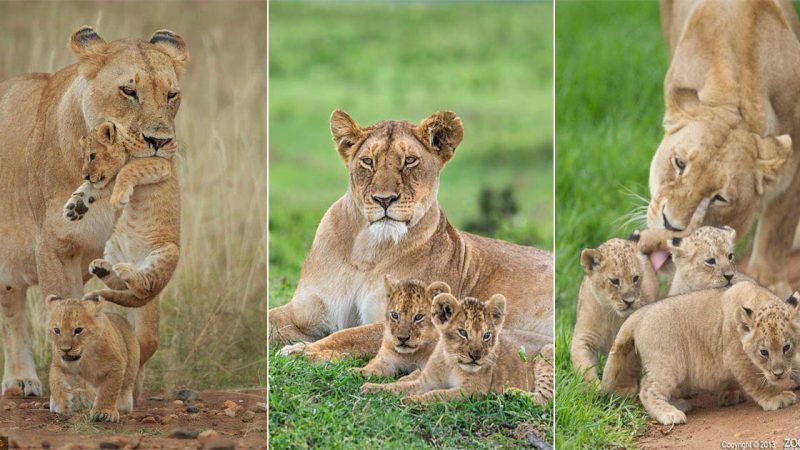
[(132, 83), (389, 221), (732, 93)]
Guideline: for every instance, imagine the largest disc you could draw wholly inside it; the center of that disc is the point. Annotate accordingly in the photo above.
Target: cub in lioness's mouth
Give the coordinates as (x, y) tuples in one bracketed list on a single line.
[(475, 356), (409, 333), (94, 349)]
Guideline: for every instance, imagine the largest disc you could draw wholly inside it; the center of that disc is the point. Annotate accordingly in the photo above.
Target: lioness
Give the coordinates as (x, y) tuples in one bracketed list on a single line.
[(475, 356), (95, 349), (718, 340), (133, 83), (389, 221), (731, 93)]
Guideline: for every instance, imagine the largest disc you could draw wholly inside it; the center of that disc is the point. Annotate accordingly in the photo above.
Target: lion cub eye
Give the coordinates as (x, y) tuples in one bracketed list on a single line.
[(418, 317), (680, 165), (57, 330), (92, 156), (463, 333), (764, 352), (367, 162), (711, 261), (487, 335), (614, 281), (78, 331), (394, 316), (730, 256), (130, 92), (411, 161), (787, 347), (635, 279)]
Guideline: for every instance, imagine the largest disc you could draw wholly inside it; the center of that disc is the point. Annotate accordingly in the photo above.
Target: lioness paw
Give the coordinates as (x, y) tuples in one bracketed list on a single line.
[(104, 415)]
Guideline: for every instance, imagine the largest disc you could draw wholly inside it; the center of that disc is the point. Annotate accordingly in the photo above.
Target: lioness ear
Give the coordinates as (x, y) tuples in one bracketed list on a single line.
[(390, 284), (745, 318), (497, 307), (590, 260), (443, 131), (107, 133), (436, 288), (773, 152), (174, 46), (682, 103), (89, 47), (444, 306), (346, 133), (52, 301)]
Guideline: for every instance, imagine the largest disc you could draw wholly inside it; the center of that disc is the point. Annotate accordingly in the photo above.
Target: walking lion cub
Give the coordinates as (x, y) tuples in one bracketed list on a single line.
[(717, 340), (475, 356), (93, 349)]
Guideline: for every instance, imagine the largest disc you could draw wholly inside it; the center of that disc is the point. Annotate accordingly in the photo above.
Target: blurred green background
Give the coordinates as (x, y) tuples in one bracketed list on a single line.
[(489, 62)]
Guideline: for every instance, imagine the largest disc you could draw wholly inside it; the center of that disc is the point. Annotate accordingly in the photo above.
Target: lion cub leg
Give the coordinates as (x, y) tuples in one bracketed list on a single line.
[(416, 386), (137, 172), (438, 395), (380, 365), (768, 397), (105, 405), (544, 375), (104, 270), (655, 399), (412, 376), (154, 273), (60, 392)]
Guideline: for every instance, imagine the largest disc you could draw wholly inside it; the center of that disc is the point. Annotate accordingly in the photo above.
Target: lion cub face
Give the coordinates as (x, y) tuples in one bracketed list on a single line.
[(469, 329), (769, 335), (394, 167), (103, 155), (704, 259), (73, 324), (615, 274), (408, 313)]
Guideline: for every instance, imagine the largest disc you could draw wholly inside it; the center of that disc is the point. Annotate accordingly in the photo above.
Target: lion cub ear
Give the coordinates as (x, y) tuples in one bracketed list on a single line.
[(591, 259), (443, 131), (730, 232), (436, 288), (793, 301), (744, 316), (52, 301), (675, 247), (89, 47), (94, 304), (497, 307), (773, 152), (346, 133), (444, 307), (107, 133), (174, 46), (390, 284)]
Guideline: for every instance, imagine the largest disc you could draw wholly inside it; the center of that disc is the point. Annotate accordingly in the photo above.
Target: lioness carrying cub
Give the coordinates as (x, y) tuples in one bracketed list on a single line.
[(389, 221)]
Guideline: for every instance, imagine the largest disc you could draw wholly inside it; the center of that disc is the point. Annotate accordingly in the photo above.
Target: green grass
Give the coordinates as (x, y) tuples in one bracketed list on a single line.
[(491, 64), (610, 64)]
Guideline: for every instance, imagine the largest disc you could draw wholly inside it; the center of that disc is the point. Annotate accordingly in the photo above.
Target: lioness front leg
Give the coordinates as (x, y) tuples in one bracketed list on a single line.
[(19, 369), (78, 204), (360, 341)]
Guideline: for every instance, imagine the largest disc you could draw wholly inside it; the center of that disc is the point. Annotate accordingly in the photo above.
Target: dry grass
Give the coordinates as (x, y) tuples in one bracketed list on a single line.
[(213, 313)]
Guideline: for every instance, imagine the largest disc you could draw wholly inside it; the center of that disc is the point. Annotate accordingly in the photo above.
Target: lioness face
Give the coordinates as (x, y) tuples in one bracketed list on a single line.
[(133, 83), (72, 324), (408, 313), (705, 258), (103, 155), (734, 169), (769, 335), (469, 329), (394, 168), (614, 271)]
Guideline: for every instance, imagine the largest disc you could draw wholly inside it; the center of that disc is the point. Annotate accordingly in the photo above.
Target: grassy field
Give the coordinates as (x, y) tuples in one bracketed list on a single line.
[(610, 64), (213, 313), (490, 63)]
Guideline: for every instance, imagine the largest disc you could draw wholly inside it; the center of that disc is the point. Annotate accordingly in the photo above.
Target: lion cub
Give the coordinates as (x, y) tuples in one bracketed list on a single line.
[(713, 340), (95, 349), (475, 355), (703, 260), (409, 334), (143, 251), (618, 279)]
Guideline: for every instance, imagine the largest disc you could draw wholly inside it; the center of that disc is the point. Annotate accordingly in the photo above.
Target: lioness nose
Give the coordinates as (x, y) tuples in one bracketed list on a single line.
[(728, 276), (155, 142), (385, 201)]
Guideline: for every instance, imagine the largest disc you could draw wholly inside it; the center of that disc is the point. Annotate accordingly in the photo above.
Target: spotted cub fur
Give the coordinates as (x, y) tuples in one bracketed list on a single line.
[(618, 279), (409, 334)]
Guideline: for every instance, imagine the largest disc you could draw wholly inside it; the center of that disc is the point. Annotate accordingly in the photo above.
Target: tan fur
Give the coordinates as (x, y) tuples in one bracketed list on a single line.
[(731, 94), (341, 284), (409, 333), (603, 305), (42, 118), (95, 350), (704, 260), (143, 251), (476, 356), (708, 341)]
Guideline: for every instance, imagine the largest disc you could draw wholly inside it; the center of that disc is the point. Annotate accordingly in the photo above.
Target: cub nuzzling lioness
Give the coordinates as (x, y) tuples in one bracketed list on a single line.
[(475, 356), (618, 279), (409, 333), (93, 349), (716, 340), (704, 260)]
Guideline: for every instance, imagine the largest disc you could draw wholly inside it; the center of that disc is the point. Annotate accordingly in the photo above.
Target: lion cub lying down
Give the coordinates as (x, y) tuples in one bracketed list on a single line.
[(93, 349), (618, 279), (142, 253), (717, 340), (409, 334), (475, 355)]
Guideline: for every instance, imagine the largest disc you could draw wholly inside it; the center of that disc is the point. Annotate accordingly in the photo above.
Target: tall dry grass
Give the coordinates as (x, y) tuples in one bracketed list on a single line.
[(213, 313)]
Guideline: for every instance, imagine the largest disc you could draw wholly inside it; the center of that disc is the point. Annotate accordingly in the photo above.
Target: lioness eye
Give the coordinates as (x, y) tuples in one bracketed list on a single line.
[(636, 278), (410, 160), (463, 333), (487, 335), (367, 161), (786, 348), (764, 352), (92, 156), (730, 256), (680, 165), (711, 261), (172, 95), (614, 281), (128, 91), (78, 331), (418, 317), (57, 330), (719, 198), (394, 315)]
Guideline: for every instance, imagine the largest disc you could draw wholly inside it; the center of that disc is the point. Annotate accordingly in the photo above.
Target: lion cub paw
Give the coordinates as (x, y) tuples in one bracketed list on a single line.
[(671, 417), (371, 388), (100, 268), (293, 349), (782, 400), (104, 415), (121, 197), (78, 205)]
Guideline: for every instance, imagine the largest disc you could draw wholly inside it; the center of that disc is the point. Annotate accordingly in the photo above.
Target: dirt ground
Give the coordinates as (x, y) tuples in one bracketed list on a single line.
[(710, 426), (238, 420)]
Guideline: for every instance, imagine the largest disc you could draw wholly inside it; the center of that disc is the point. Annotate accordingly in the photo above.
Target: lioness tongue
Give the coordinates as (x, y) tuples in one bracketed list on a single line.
[(658, 258)]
